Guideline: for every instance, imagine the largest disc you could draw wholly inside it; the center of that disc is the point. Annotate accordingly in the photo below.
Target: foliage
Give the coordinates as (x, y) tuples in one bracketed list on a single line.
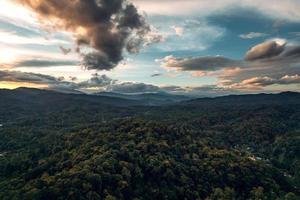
[(185, 151)]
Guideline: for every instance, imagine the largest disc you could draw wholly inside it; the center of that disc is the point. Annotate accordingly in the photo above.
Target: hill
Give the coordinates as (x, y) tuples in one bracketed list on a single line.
[(159, 98), (251, 99), (75, 146), (24, 103)]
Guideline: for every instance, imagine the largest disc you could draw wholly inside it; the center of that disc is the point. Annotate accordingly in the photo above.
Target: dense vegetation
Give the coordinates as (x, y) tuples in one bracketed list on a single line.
[(56, 146)]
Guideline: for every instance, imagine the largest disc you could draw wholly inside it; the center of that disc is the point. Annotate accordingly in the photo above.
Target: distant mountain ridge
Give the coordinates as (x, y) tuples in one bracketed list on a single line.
[(249, 99), (160, 98), (38, 97), (77, 146)]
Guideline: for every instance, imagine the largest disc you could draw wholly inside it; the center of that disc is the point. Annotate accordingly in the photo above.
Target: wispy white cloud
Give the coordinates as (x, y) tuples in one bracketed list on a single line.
[(297, 34), (11, 54), (252, 35), (17, 15), (187, 34), (287, 10), (178, 30), (10, 37)]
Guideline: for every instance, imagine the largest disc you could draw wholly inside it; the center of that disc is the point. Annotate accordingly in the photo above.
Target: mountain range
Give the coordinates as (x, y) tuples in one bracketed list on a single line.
[(148, 146)]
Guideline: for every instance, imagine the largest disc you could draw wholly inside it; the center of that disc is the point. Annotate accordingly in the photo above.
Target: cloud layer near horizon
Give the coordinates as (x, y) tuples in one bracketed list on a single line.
[(96, 83), (203, 45), (272, 62), (102, 83)]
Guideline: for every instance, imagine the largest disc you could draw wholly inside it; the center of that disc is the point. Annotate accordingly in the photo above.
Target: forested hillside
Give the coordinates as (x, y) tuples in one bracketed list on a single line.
[(59, 146)]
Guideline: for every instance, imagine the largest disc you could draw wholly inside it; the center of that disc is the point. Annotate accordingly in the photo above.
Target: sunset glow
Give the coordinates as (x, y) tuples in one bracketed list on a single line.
[(205, 44), (14, 85)]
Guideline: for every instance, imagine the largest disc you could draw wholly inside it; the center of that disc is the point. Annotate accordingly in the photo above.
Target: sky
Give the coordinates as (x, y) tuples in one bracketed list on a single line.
[(189, 47)]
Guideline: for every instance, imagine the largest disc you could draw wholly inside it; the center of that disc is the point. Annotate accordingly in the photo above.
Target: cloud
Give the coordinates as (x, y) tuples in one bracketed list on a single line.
[(265, 81), (64, 50), (156, 75), (96, 81), (271, 63), (178, 30), (265, 50), (17, 76), (194, 34), (291, 51), (7, 26), (108, 27), (132, 88), (73, 78), (297, 34), (12, 38), (295, 79), (153, 36), (180, 34), (276, 56), (103, 83), (258, 83), (213, 90), (51, 82), (173, 89), (20, 16), (287, 10), (207, 63), (252, 35), (44, 63)]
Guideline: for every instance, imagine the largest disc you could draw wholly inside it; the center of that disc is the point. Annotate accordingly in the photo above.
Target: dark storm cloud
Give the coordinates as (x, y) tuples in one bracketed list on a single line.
[(107, 26), (43, 63), (207, 63)]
